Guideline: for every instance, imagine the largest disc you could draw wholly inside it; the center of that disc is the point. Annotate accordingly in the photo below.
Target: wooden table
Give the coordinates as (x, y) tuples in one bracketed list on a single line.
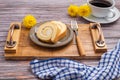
[(15, 10)]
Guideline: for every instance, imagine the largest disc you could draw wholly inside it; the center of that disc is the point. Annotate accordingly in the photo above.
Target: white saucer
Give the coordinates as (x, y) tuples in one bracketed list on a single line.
[(105, 20)]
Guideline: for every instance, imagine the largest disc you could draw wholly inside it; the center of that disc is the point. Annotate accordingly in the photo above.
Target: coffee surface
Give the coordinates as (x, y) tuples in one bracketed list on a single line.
[(101, 3)]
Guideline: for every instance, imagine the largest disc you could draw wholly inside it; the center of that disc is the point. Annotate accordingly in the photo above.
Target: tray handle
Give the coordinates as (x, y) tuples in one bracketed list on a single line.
[(11, 43), (100, 42)]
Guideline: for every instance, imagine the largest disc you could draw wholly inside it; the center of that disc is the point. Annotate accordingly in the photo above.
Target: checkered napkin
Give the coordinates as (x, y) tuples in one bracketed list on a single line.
[(64, 69)]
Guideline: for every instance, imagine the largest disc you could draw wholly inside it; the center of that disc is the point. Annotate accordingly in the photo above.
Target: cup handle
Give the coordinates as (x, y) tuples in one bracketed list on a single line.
[(110, 15)]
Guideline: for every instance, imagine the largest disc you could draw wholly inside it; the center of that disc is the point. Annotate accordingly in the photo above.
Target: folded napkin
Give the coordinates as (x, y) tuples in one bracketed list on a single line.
[(64, 69)]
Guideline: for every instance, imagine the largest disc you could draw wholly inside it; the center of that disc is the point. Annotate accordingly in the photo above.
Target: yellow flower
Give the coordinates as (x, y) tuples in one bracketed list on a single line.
[(72, 10), (84, 10), (29, 21)]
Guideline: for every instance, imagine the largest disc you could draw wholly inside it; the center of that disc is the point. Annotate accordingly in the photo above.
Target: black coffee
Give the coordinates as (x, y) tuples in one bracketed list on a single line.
[(101, 3)]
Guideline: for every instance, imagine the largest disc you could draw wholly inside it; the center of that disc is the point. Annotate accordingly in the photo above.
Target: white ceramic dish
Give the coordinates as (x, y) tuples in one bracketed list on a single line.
[(105, 20)]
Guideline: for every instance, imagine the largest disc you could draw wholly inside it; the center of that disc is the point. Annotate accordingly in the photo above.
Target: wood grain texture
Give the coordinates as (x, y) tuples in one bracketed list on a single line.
[(43, 10)]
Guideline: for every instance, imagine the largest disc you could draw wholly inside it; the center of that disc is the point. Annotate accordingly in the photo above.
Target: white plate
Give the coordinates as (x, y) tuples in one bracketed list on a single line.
[(105, 20)]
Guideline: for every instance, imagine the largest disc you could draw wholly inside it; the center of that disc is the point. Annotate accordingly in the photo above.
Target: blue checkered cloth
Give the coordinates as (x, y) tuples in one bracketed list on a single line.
[(64, 69)]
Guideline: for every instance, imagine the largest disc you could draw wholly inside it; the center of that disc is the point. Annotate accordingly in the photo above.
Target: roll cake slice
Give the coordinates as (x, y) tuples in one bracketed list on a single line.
[(51, 31), (48, 32), (63, 29)]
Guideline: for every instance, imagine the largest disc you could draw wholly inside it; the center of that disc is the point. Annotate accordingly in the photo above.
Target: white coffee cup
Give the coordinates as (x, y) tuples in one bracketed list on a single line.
[(98, 11)]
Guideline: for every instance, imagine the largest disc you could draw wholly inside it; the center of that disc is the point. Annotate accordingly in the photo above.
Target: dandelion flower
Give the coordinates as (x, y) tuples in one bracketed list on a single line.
[(29, 21), (84, 10), (72, 10)]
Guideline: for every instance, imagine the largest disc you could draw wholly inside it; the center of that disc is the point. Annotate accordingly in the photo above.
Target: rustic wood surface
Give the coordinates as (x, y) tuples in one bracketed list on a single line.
[(15, 10)]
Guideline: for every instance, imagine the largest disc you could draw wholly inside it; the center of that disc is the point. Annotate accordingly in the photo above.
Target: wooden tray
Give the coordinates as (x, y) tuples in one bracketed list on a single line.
[(27, 50)]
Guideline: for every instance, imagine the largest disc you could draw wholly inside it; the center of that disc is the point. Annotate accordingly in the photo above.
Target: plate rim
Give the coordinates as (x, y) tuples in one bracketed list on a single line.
[(51, 46)]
